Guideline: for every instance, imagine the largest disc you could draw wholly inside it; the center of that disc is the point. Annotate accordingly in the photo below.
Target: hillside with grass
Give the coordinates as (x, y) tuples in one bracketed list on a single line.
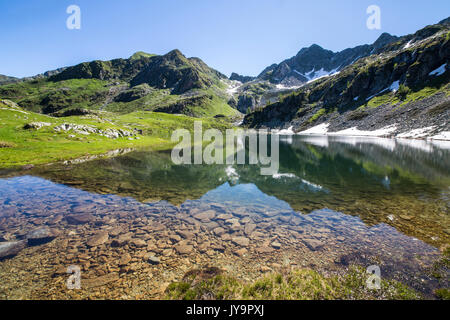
[(169, 83), (29, 138)]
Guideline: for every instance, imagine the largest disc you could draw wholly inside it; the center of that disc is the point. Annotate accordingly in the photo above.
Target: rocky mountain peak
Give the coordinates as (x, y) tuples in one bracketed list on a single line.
[(384, 40)]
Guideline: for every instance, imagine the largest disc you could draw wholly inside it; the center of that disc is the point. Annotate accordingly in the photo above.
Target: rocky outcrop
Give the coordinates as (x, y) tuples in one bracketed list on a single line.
[(87, 130), (134, 93), (41, 236), (36, 125), (10, 249), (244, 79), (176, 72)]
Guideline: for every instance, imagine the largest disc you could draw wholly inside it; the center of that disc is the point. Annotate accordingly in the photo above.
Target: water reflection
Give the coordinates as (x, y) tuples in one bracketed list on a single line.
[(403, 184)]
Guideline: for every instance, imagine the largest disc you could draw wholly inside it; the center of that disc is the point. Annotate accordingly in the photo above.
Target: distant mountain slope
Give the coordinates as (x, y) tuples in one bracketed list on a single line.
[(405, 83), (315, 62), (169, 83), (6, 79)]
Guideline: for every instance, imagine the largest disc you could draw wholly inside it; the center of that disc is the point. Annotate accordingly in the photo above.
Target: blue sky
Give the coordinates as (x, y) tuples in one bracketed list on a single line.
[(244, 36)]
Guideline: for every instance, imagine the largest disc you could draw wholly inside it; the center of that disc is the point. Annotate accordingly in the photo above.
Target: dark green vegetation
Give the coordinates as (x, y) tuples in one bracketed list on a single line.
[(304, 284)]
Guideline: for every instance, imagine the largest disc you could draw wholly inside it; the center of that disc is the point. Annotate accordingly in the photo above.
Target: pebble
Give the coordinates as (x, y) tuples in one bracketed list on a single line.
[(184, 248), (98, 239), (240, 241)]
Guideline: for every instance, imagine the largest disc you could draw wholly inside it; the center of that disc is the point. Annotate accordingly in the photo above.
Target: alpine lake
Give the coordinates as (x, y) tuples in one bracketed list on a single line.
[(136, 222)]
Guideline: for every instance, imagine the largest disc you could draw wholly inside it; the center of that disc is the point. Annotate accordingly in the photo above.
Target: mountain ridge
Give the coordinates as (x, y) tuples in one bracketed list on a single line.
[(407, 76)]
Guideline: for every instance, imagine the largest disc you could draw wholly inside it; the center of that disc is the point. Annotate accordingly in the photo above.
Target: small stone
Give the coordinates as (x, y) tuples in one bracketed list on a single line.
[(139, 243), (264, 249), (153, 260), (174, 238), (341, 239), (186, 234), (219, 231), (224, 216), (125, 259), (99, 281), (98, 239), (206, 215), (10, 249), (40, 236), (313, 244), (121, 240), (249, 228), (232, 221), (241, 252), (184, 248), (276, 245), (240, 241), (225, 237), (407, 218), (114, 232), (265, 269), (80, 218)]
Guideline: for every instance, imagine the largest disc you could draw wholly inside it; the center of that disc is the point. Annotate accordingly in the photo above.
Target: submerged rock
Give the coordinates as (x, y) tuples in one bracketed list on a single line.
[(10, 249), (100, 281), (153, 260), (184, 248), (41, 236), (80, 218), (98, 239), (240, 241), (313, 244)]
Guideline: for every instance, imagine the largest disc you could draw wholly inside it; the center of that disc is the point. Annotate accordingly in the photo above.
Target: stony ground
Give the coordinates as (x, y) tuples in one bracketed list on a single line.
[(131, 250)]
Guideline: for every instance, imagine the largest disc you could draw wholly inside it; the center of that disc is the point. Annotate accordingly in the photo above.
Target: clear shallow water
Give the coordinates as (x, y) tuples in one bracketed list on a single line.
[(336, 202)]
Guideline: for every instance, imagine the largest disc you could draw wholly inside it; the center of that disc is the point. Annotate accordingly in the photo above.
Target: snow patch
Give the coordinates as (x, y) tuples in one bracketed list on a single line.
[(283, 87), (444, 135), (416, 133), (233, 87), (386, 131), (313, 185), (394, 88), (284, 175), (408, 44), (320, 129), (231, 173), (284, 132)]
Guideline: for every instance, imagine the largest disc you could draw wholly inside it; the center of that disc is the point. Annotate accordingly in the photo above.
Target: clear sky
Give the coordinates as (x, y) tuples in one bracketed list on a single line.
[(244, 36)]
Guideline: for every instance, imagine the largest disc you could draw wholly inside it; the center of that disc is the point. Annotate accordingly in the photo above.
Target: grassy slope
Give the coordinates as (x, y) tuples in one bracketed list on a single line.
[(92, 94), (19, 146), (74, 93)]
